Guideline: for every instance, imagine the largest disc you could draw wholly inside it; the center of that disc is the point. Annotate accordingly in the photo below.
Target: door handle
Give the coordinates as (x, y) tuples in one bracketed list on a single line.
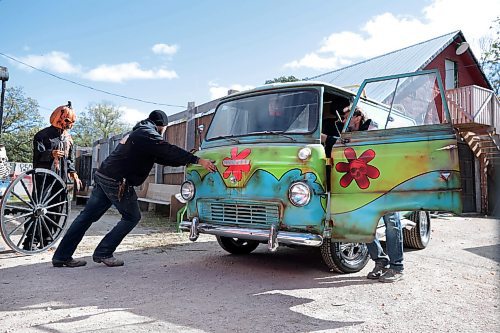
[(449, 147)]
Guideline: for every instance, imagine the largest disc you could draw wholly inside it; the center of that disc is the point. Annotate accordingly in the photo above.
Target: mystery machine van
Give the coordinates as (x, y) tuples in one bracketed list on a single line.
[(276, 184)]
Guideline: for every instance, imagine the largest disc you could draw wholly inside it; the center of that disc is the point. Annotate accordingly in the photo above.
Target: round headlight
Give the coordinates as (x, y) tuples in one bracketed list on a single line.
[(304, 154), (187, 190), (299, 194)]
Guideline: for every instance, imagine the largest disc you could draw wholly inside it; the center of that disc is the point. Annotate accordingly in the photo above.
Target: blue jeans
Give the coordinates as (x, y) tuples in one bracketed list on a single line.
[(104, 194), (393, 241)]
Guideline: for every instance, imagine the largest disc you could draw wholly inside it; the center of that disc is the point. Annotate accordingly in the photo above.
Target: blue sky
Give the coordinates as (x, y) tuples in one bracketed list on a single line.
[(174, 52)]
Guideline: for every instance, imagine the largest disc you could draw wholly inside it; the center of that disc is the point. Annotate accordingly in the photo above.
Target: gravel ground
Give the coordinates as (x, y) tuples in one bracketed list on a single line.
[(171, 285)]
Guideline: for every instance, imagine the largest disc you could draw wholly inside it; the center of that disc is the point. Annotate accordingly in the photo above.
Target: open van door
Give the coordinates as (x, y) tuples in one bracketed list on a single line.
[(404, 157)]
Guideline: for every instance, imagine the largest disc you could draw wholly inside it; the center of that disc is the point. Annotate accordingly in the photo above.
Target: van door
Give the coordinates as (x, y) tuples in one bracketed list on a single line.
[(397, 152)]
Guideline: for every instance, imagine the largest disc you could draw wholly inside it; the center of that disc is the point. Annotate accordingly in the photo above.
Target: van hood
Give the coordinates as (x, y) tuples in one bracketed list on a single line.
[(238, 163)]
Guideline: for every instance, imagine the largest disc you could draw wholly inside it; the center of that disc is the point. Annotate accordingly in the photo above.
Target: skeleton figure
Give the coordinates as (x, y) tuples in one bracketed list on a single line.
[(4, 165)]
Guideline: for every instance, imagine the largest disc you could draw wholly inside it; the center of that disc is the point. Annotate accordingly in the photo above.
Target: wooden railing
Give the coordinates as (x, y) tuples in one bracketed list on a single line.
[(474, 104)]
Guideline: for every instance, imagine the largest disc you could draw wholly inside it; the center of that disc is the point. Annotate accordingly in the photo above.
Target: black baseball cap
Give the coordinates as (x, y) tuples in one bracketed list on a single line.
[(158, 117)]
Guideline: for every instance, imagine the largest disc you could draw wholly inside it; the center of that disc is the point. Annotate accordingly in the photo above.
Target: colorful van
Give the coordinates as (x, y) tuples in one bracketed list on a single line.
[(277, 185)]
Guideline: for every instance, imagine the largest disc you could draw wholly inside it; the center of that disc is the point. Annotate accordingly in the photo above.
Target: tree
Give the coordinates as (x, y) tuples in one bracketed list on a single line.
[(21, 121), (282, 79), (101, 120), (490, 59)]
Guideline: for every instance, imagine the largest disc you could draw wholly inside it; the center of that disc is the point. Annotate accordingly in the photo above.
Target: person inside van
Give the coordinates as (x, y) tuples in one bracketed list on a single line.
[(331, 127), (358, 122), (276, 111)]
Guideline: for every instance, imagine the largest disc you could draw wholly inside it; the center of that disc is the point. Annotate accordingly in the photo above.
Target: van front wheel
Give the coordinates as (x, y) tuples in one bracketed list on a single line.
[(344, 257), (237, 245)]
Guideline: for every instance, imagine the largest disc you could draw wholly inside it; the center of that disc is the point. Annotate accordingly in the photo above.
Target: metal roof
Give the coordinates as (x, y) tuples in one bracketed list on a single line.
[(406, 60)]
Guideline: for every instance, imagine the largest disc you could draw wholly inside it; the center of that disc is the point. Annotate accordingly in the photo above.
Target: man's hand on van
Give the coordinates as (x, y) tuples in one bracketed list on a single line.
[(207, 164)]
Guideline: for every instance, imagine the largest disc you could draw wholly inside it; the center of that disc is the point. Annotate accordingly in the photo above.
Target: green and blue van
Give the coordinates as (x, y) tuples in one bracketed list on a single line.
[(275, 183)]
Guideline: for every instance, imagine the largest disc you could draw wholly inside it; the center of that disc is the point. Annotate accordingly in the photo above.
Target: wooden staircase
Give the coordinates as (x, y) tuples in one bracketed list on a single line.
[(475, 113), (483, 141), (485, 144)]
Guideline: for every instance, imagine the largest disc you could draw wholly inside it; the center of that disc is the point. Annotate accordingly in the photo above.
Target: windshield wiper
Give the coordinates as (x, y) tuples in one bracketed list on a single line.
[(281, 133), (227, 137)]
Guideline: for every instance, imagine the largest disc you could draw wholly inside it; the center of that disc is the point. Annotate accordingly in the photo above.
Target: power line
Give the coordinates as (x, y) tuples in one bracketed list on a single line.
[(89, 87)]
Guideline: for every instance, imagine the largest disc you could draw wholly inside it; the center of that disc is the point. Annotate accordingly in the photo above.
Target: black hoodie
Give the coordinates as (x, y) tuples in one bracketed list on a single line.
[(137, 152), (52, 138)]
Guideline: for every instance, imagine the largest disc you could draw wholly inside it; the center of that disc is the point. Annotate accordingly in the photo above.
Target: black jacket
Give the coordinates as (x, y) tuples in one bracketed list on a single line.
[(52, 138), (332, 129), (137, 152)]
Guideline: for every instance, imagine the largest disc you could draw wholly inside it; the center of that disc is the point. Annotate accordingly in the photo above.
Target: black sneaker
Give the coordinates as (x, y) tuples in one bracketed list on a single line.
[(391, 276), (377, 271), (110, 262), (68, 263)]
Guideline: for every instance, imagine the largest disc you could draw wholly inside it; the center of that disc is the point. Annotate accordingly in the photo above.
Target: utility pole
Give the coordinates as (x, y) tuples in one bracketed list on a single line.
[(4, 77)]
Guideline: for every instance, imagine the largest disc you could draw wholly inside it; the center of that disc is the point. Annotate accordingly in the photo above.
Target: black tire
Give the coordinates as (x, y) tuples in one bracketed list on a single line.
[(237, 245), (33, 216), (344, 257), (419, 236)]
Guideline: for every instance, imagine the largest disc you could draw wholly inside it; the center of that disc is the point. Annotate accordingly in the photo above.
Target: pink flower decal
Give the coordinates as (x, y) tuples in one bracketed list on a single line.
[(357, 168)]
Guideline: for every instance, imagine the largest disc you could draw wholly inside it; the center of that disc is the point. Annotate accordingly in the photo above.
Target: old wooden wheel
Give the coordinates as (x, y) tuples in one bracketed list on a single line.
[(34, 211)]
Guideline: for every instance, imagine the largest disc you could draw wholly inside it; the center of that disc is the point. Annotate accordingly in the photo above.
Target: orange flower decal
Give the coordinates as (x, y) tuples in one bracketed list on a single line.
[(237, 163), (357, 168)]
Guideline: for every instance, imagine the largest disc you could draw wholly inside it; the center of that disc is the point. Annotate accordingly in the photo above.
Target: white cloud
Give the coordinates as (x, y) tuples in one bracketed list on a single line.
[(217, 91), (59, 62), (132, 116), (313, 60), (386, 32), (165, 49), (127, 71), (54, 61)]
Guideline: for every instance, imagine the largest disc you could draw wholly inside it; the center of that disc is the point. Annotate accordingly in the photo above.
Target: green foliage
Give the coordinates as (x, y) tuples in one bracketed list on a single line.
[(490, 59), (282, 79), (21, 121), (98, 121)]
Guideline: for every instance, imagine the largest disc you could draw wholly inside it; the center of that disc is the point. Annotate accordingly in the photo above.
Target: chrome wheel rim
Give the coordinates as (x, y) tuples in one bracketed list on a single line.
[(353, 253), (423, 225)]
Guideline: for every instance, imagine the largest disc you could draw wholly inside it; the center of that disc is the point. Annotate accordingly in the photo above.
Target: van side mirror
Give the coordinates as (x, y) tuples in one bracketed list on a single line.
[(200, 130)]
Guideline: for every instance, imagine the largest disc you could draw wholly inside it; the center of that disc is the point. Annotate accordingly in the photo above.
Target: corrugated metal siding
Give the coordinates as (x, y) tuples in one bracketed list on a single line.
[(406, 60)]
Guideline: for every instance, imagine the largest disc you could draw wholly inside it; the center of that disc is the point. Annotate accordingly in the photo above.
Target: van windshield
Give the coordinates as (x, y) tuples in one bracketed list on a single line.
[(293, 112)]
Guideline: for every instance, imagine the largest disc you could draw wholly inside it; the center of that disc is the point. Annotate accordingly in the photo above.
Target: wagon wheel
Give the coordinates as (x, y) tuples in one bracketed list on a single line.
[(34, 211)]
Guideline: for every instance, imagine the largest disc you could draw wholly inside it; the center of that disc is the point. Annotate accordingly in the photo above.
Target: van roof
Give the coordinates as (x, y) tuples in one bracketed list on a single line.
[(287, 85)]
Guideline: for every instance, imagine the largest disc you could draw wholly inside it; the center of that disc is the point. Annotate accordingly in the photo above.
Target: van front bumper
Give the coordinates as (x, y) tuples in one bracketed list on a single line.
[(272, 236)]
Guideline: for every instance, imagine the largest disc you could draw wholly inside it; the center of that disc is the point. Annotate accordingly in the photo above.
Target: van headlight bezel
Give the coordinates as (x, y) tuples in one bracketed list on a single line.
[(304, 153), (299, 194), (188, 190)]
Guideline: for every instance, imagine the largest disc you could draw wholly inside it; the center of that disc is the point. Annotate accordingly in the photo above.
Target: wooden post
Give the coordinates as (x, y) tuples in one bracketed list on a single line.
[(190, 126), (484, 185)]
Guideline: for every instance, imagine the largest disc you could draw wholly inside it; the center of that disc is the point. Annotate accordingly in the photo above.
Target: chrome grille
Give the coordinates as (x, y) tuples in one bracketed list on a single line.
[(253, 213)]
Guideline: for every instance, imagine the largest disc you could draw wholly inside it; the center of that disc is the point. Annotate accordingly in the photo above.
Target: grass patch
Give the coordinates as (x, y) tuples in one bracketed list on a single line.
[(157, 221)]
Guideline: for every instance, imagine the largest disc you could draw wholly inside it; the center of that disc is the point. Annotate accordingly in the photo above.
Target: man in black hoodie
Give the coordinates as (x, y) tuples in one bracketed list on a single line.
[(127, 166)]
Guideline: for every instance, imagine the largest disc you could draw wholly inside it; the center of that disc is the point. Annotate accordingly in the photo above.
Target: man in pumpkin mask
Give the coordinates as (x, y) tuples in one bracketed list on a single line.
[(53, 146), (53, 150)]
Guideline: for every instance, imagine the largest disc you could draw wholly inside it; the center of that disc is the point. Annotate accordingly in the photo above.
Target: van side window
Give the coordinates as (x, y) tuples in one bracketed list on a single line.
[(414, 101)]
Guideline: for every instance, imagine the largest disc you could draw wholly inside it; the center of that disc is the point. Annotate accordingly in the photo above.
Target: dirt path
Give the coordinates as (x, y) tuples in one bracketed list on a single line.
[(171, 285)]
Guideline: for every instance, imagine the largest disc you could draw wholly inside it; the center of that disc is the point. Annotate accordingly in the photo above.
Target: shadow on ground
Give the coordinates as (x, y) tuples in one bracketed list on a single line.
[(188, 285), (491, 252)]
